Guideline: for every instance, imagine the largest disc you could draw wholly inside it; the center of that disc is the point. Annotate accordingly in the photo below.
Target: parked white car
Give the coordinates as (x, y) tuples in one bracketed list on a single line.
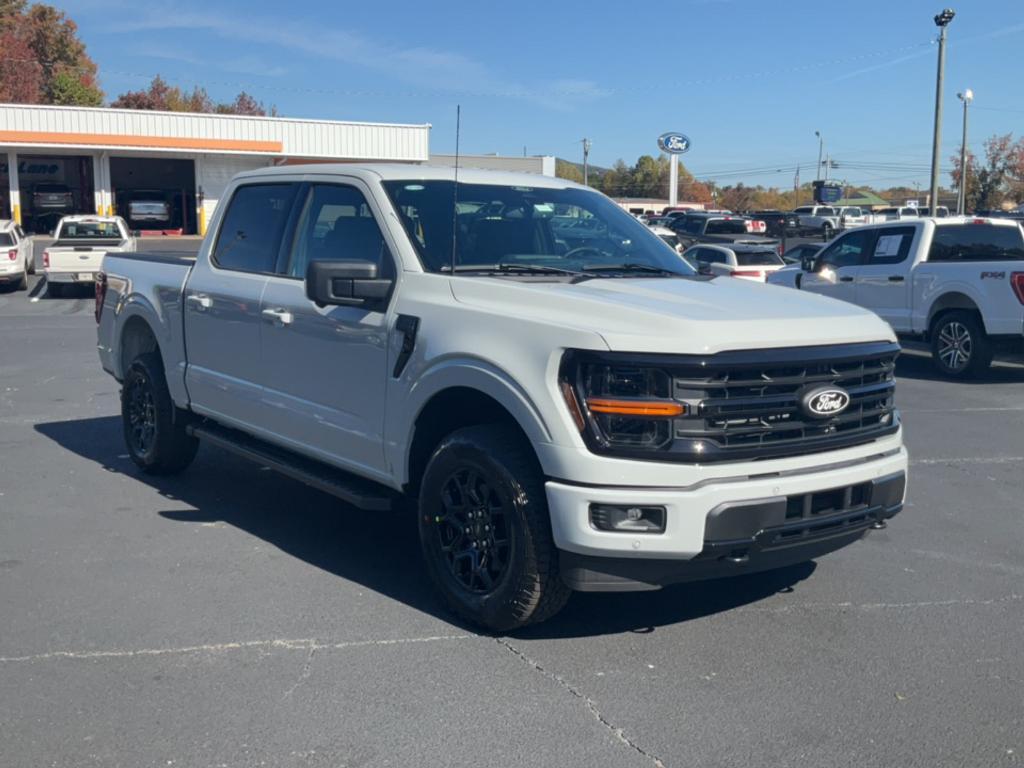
[(747, 262), (81, 243), (956, 283), (823, 219), (17, 260), (560, 401)]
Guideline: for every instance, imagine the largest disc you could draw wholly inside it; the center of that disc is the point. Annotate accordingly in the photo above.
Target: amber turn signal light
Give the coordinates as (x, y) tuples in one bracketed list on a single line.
[(635, 407)]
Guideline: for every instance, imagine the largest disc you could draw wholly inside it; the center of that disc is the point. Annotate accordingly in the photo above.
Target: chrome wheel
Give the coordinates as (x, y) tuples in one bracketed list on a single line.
[(955, 346)]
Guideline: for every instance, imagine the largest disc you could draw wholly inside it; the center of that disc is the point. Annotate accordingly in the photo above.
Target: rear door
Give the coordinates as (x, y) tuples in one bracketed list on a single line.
[(326, 367), (222, 305), (836, 267), (883, 280)]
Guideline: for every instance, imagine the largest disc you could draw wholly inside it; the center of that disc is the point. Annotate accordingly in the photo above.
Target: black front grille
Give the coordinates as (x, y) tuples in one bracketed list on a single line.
[(752, 408)]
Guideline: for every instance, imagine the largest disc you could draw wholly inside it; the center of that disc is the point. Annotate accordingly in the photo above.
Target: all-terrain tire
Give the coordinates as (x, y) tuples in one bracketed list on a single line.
[(154, 428)]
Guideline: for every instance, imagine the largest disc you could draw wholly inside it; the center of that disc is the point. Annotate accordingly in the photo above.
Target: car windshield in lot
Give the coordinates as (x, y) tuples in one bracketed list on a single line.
[(520, 228), (85, 230), (766, 258)]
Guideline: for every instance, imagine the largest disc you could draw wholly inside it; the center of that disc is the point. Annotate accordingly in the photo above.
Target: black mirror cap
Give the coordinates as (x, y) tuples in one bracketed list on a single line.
[(347, 284)]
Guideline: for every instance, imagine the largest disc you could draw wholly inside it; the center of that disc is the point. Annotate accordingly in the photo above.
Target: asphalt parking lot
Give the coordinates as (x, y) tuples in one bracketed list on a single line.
[(232, 617)]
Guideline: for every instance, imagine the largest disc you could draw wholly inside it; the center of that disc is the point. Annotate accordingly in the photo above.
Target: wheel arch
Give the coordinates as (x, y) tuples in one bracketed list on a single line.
[(136, 338), (949, 302)]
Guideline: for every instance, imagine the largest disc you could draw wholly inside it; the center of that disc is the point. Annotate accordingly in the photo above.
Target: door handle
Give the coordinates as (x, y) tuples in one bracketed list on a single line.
[(278, 316), (845, 279), (895, 278), (199, 300)]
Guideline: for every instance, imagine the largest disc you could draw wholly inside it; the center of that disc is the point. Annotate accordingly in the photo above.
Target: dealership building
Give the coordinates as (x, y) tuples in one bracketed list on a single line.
[(61, 160)]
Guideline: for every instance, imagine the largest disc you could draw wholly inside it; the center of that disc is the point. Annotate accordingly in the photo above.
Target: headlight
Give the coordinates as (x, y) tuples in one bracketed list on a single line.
[(620, 404)]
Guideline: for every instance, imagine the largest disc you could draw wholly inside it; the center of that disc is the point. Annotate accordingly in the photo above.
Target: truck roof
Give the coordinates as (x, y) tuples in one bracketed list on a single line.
[(414, 172), (946, 221)]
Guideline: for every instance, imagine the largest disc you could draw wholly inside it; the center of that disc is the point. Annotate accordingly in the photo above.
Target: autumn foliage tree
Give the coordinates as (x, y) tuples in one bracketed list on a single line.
[(997, 180), (42, 61), (164, 97)]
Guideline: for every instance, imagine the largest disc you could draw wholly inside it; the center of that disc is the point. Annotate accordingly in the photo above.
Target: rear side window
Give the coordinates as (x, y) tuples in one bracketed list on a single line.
[(6, 239), (976, 242), (337, 224), (892, 245), (250, 234)]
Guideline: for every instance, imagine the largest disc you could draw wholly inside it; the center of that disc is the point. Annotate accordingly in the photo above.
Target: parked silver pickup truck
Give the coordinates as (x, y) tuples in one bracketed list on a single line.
[(556, 395)]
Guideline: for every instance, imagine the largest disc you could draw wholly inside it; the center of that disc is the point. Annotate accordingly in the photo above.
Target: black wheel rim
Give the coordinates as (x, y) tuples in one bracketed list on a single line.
[(473, 531), (141, 415)]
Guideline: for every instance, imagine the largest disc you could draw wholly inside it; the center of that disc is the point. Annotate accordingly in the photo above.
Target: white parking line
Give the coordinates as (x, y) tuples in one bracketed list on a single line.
[(303, 644), (971, 460)]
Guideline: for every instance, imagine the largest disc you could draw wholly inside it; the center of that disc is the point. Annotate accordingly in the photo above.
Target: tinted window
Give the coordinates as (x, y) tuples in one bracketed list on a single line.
[(976, 242), (693, 226), (803, 210), (565, 228), (758, 259), (848, 250), (6, 239), (892, 245), (826, 212), (86, 230), (726, 227), (250, 234), (710, 256), (336, 223)]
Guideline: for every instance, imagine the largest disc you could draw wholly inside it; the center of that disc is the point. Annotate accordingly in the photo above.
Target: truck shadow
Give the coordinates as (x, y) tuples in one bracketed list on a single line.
[(381, 550)]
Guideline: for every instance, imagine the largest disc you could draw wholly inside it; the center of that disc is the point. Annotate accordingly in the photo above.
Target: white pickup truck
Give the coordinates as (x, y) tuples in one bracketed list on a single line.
[(78, 249), (560, 400), (956, 283), (818, 219)]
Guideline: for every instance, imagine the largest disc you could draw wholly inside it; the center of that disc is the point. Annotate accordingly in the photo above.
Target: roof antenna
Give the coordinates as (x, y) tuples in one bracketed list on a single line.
[(455, 190)]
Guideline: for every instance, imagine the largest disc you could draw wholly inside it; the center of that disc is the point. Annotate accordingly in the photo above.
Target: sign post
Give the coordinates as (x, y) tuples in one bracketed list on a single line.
[(673, 144)]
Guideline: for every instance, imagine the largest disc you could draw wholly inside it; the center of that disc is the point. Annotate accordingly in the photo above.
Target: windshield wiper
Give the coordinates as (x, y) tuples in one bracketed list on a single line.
[(520, 269), (646, 269)]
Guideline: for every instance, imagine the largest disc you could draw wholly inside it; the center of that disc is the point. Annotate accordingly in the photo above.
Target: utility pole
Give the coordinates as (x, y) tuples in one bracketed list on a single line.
[(828, 164), (961, 199), (586, 168), (942, 21), (821, 146)]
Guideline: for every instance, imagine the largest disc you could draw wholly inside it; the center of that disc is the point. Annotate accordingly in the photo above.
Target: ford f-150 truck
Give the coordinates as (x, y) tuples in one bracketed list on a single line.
[(563, 402), (77, 252), (955, 283)]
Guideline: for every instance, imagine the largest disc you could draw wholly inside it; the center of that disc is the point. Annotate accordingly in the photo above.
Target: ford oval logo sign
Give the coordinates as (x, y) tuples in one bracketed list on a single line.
[(823, 402), (673, 143)]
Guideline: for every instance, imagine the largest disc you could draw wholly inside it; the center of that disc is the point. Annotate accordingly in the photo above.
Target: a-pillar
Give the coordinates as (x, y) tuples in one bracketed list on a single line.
[(15, 191)]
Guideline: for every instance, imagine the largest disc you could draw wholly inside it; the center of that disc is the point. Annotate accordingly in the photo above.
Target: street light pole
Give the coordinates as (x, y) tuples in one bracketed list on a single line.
[(586, 155), (961, 199), (821, 146), (941, 21)]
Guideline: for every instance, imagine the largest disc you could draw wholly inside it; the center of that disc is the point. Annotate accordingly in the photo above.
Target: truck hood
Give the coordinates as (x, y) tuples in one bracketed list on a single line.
[(681, 316)]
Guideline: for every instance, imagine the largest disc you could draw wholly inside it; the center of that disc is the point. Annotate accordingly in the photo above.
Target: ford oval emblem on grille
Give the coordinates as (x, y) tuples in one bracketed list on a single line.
[(823, 402)]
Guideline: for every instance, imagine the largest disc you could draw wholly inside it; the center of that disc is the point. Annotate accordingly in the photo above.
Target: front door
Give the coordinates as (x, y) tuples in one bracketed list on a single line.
[(222, 305), (836, 267), (326, 367), (883, 282)]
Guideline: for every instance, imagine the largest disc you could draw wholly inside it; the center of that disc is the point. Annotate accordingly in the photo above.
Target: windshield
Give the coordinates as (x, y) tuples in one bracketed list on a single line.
[(557, 229), (726, 227), (759, 259), (89, 230)]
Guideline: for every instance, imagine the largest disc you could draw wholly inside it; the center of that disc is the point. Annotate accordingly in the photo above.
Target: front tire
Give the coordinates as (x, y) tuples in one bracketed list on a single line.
[(485, 531), (154, 428), (960, 348)]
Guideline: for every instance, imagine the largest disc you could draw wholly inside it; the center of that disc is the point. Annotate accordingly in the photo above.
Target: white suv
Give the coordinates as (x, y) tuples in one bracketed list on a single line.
[(17, 261)]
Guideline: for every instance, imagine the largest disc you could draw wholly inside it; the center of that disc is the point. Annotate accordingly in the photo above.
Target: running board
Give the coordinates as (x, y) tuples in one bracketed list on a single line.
[(353, 490)]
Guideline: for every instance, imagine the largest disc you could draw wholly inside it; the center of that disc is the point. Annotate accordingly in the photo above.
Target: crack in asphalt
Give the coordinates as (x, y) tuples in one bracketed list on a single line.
[(303, 675), (591, 706)]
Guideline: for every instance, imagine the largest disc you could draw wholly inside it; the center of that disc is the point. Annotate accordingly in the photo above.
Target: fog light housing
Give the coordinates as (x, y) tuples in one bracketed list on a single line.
[(627, 518)]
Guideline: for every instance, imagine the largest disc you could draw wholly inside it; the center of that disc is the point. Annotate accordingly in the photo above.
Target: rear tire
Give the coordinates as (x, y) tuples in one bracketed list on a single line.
[(960, 348), (154, 428), (22, 285), (485, 531)]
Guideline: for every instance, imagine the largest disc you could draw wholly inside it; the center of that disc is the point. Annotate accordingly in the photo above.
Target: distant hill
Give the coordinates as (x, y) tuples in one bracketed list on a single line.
[(595, 171)]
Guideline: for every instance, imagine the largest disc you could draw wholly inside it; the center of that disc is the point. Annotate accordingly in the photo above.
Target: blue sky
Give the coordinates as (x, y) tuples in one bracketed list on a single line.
[(749, 81)]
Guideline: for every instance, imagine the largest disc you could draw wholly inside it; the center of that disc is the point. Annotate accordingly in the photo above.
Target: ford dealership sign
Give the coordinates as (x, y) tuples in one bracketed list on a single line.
[(673, 143)]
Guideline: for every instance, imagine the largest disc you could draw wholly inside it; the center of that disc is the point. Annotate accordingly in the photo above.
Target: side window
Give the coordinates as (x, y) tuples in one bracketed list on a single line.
[(250, 235), (892, 245), (976, 242), (693, 226), (337, 224), (847, 251)]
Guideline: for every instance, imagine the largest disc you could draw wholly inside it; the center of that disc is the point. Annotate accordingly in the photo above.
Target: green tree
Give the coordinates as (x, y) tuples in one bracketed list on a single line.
[(568, 171), (67, 88)]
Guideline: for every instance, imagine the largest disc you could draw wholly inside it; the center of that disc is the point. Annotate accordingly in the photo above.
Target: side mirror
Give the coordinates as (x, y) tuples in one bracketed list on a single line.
[(347, 284)]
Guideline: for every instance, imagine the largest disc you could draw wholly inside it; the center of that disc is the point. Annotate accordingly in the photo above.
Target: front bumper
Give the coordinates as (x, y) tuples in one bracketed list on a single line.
[(727, 527)]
